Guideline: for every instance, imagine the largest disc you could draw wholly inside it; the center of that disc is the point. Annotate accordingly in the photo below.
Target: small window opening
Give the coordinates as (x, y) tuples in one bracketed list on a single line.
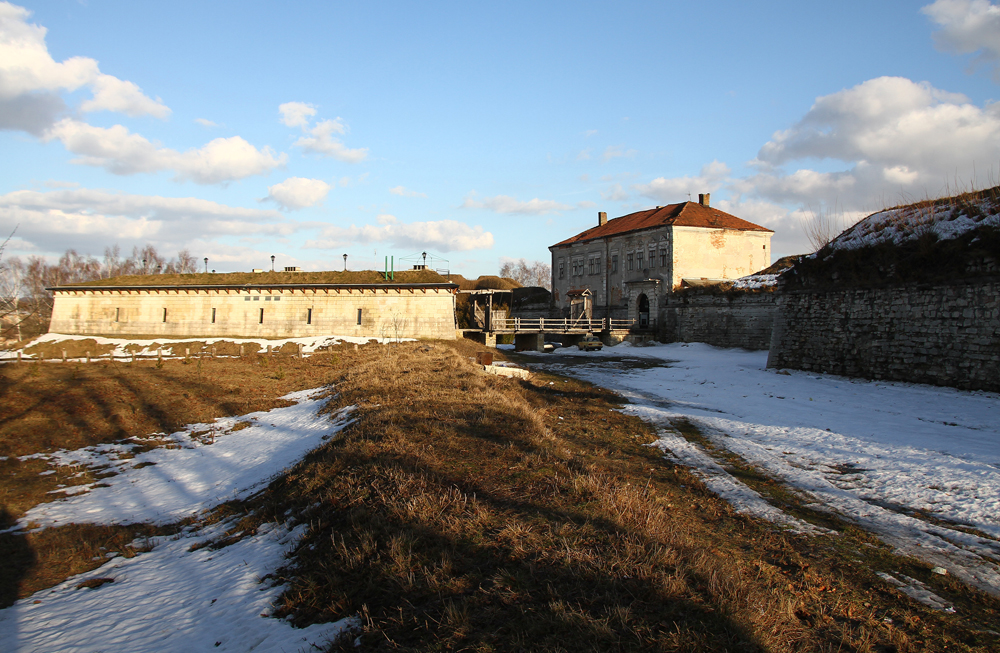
[(213, 316), (261, 316), (359, 317), (118, 314), (164, 315), (309, 316)]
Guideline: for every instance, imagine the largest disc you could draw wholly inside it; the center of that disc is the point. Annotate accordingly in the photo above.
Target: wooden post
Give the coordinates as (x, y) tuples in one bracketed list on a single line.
[(241, 351), (18, 355), (187, 352), (213, 351), (269, 350), (300, 350), (88, 356), (64, 355), (133, 357), (159, 355)]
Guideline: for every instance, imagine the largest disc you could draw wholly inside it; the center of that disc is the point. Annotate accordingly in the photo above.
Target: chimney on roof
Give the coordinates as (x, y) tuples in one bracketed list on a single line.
[(703, 199), (602, 218)]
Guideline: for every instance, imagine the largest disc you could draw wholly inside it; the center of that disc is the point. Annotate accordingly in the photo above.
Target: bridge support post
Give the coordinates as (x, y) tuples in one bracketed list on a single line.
[(485, 338), (529, 342)]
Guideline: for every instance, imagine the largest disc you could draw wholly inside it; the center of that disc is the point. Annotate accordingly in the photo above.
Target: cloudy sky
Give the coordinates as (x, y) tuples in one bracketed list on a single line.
[(475, 131)]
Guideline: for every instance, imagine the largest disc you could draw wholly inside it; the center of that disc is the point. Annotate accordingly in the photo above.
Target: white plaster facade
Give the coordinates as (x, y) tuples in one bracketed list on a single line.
[(267, 311), (665, 245)]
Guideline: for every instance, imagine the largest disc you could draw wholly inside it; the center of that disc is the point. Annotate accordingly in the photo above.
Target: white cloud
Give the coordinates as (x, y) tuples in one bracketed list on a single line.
[(89, 220), (403, 192), (31, 81), (506, 204), (321, 141), (968, 26), (617, 151), (583, 155), (676, 189), (901, 139), (123, 153), (205, 123), (441, 236), (298, 192), (615, 194), (113, 94), (296, 114)]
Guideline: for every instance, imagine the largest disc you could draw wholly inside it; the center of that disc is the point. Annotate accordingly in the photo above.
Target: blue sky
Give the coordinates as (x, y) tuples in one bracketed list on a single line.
[(475, 131)]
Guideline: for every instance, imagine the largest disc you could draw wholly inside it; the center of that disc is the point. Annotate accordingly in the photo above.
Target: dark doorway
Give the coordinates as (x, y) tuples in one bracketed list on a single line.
[(642, 308)]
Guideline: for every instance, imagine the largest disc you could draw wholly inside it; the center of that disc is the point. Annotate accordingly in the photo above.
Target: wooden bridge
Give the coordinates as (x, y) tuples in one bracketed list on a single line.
[(565, 325)]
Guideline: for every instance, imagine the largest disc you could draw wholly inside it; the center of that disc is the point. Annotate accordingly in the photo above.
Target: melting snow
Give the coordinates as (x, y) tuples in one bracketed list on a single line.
[(917, 465), (165, 485), (171, 599)]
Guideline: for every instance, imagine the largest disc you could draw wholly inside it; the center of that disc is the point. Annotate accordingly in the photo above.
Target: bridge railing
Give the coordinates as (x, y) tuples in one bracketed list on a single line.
[(560, 324)]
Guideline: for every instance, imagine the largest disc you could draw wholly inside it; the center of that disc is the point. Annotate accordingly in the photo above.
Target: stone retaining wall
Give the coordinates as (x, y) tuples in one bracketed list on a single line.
[(731, 320), (946, 334)]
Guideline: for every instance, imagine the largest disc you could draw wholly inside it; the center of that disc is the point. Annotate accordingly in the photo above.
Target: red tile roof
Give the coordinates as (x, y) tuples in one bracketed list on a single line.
[(685, 214)]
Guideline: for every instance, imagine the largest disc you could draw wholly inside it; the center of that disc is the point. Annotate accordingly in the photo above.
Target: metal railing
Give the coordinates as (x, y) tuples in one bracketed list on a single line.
[(562, 324)]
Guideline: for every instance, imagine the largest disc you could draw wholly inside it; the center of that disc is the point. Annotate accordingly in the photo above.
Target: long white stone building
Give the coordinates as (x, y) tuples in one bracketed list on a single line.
[(279, 310)]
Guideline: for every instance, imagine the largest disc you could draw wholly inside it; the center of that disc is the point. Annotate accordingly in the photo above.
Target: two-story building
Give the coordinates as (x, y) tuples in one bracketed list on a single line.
[(622, 267)]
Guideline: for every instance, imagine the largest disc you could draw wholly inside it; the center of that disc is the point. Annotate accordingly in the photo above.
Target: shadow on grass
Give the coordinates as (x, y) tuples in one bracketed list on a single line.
[(17, 558)]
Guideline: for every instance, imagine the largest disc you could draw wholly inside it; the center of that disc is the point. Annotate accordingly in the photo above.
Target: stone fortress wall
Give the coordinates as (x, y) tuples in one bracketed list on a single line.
[(942, 334), (723, 320), (273, 311)]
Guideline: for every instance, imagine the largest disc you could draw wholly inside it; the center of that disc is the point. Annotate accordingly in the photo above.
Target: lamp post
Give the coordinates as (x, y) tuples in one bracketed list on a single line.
[(144, 266), (206, 265), (345, 262), (272, 262), (425, 260)]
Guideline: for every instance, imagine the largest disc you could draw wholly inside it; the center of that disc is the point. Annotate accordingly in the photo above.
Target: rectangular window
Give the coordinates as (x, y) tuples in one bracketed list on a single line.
[(359, 317), (257, 298), (652, 258), (614, 263), (277, 299), (267, 299), (663, 258), (261, 316), (164, 315), (597, 264), (639, 260), (118, 314), (213, 316), (562, 270), (246, 299), (592, 266), (630, 261), (309, 316)]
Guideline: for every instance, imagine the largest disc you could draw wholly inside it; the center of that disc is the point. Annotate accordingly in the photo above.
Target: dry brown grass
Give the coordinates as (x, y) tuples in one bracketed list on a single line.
[(468, 511)]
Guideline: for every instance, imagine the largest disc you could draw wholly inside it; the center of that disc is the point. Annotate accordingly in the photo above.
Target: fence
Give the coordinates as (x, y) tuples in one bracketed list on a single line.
[(562, 324)]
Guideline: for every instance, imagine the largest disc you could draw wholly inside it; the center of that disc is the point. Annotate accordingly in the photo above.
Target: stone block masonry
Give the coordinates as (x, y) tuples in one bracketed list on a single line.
[(723, 320), (943, 334), (271, 311)]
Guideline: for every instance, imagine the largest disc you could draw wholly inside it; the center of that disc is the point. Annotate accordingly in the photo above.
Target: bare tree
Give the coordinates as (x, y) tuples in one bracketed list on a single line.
[(823, 226), (536, 273)]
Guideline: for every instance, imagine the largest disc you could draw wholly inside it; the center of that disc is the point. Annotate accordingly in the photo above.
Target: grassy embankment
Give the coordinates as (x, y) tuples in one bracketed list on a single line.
[(466, 511)]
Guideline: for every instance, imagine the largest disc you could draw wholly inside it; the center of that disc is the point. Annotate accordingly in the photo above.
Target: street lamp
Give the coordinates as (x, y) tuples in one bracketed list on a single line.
[(144, 266), (345, 262), (272, 262), (206, 265), (425, 260)]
